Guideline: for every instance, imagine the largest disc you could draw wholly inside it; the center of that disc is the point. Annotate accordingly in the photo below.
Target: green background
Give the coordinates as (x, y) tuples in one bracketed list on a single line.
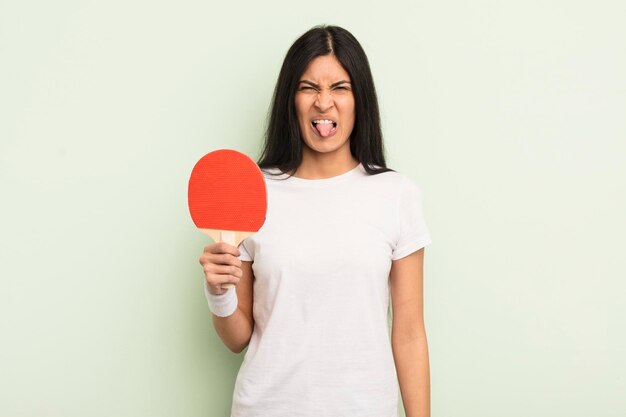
[(509, 115)]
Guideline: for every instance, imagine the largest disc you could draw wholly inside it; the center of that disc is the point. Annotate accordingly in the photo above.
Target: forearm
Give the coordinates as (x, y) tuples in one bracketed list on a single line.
[(234, 330), (412, 367)]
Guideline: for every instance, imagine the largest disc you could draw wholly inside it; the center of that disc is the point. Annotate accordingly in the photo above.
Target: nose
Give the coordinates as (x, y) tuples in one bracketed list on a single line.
[(324, 100)]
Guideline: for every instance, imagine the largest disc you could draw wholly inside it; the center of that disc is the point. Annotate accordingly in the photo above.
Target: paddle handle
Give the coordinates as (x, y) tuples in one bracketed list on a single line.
[(232, 237), (227, 236)]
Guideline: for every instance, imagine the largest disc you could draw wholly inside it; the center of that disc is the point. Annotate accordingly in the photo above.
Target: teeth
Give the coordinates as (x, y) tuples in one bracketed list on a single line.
[(323, 121)]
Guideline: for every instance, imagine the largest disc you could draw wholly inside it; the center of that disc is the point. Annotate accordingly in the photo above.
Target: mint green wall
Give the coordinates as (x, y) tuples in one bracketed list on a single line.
[(510, 116)]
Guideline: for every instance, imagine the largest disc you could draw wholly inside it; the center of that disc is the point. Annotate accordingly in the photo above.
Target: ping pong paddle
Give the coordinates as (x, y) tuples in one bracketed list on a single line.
[(227, 197)]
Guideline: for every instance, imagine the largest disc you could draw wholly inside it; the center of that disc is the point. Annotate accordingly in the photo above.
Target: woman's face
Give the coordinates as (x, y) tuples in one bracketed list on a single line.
[(324, 93)]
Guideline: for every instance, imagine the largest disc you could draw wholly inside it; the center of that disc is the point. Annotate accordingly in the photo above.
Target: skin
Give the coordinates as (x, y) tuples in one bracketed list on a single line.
[(324, 158), (317, 97), (408, 333)]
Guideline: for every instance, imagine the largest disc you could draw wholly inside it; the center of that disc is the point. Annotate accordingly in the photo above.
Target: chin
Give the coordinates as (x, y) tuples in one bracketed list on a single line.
[(325, 149)]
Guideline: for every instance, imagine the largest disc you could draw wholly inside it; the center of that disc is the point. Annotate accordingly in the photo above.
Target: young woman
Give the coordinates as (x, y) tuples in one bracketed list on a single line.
[(342, 234)]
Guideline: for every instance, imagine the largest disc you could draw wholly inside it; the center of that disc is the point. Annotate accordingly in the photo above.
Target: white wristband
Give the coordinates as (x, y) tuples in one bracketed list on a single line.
[(222, 305)]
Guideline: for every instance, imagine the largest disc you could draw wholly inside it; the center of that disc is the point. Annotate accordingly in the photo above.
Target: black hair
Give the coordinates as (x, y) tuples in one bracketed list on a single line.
[(283, 141)]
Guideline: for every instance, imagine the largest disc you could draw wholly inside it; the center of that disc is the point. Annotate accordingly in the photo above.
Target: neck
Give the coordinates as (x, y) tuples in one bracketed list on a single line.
[(319, 166)]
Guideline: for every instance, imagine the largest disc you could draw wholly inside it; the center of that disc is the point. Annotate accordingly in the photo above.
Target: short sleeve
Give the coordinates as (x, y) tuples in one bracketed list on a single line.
[(413, 234), (245, 254)]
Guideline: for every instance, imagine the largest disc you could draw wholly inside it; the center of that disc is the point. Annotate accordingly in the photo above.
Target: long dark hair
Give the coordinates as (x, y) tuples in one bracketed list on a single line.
[(283, 141)]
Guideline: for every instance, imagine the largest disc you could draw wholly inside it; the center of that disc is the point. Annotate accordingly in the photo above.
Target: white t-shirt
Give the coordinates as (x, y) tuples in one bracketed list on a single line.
[(320, 345)]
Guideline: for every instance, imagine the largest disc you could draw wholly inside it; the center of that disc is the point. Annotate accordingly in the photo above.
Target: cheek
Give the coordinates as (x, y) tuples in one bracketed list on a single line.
[(349, 115), (303, 124), (348, 109), (300, 106)]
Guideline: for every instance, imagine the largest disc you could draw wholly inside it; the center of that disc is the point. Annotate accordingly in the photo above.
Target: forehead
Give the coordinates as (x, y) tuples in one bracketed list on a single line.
[(325, 67)]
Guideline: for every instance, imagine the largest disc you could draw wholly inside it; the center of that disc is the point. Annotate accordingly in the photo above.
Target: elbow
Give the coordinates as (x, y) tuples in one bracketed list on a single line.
[(238, 348), (408, 336)]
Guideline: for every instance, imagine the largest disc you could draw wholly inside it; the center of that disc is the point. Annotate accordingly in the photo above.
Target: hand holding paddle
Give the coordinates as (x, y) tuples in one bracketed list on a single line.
[(221, 267), (227, 197)]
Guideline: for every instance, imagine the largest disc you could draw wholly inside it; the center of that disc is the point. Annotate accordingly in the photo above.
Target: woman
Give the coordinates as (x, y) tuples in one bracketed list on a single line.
[(343, 232)]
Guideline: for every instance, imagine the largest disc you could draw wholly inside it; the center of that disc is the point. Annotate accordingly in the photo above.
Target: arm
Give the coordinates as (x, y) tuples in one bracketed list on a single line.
[(408, 337), (236, 329)]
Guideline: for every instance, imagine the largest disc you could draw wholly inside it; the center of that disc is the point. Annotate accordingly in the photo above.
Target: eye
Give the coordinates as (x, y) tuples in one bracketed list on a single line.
[(306, 88)]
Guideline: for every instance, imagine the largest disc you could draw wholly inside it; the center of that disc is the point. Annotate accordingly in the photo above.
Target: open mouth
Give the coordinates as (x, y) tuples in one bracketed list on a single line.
[(324, 127)]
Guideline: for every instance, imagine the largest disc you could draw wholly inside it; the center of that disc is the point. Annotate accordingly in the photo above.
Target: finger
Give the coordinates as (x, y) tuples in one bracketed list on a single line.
[(215, 280), (212, 268), (222, 259), (222, 247)]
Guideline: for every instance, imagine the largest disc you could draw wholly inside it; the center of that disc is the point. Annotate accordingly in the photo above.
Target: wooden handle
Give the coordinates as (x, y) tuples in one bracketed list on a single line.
[(228, 236)]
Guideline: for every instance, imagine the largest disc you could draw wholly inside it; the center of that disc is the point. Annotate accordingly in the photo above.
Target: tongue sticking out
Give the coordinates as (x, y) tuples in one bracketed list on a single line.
[(325, 129)]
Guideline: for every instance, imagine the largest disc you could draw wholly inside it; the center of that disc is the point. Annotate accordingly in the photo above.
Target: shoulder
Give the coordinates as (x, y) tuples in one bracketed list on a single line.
[(393, 180)]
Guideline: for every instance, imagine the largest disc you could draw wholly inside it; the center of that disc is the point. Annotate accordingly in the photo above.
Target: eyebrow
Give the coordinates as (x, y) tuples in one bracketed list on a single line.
[(317, 85)]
